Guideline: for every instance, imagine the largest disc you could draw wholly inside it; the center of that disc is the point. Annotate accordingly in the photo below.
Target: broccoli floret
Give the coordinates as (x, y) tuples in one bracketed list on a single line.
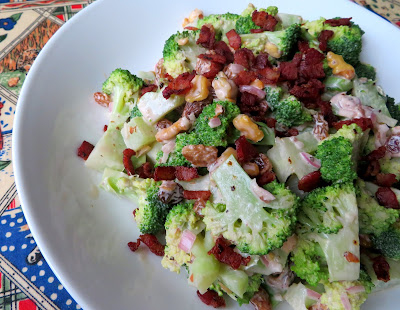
[(366, 280), (391, 165), (151, 214), (124, 88), (253, 286), (334, 83), (388, 242), (365, 71), (181, 58), (328, 70), (290, 112), (309, 262), (181, 217), (136, 112), (284, 40), (324, 209), (339, 153), (256, 230), (222, 23), (274, 95), (245, 23), (394, 109), (215, 136), (374, 219), (346, 40)]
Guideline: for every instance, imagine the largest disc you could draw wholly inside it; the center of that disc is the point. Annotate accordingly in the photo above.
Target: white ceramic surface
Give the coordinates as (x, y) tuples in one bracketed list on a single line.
[(82, 237)]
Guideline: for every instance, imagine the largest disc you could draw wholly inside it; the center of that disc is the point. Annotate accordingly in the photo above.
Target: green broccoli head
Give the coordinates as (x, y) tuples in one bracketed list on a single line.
[(215, 136), (339, 153), (328, 70), (324, 210), (290, 112), (388, 242), (391, 165), (245, 23), (222, 23), (253, 286), (274, 95), (365, 71), (309, 262), (394, 109), (284, 40), (124, 87), (181, 217), (373, 218), (366, 280), (181, 58), (136, 112), (152, 213)]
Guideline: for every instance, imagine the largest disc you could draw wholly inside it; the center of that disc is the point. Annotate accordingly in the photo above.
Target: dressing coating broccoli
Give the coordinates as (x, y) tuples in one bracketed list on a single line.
[(365, 71), (222, 23), (253, 286), (274, 95), (136, 112), (390, 165), (388, 242), (290, 112), (181, 58), (394, 109)]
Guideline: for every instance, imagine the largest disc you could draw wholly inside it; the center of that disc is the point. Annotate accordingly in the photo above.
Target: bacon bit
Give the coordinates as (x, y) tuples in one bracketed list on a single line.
[(261, 61), (213, 57), (164, 173), (377, 154), (245, 150), (211, 298), (235, 41), (127, 160), (244, 57), (264, 20), (323, 38), (145, 171), (85, 149), (381, 268), (372, 169), (221, 48), (249, 100), (152, 243), (256, 30), (303, 46), (292, 132), (186, 173), (312, 71), (269, 75), (224, 253), (102, 99), (338, 22), (105, 128), (261, 300), (351, 258), (207, 36), (198, 206), (326, 111), (245, 77), (386, 179), (265, 178), (363, 122), (313, 57), (271, 122), (289, 69), (203, 195), (148, 88), (310, 181), (191, 28), (180, 85), (310, 90), (387, 198), (214, 69)]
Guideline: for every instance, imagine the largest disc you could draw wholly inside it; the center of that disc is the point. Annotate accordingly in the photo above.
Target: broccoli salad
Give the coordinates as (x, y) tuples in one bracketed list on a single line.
[(264, 160)]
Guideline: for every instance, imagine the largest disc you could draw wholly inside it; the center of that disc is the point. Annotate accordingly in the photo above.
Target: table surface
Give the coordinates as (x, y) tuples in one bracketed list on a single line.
[(26, 281)]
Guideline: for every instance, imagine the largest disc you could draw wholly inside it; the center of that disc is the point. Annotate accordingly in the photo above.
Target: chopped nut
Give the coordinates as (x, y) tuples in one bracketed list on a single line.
[(170, 132), (199, 90), (224, 88), (183, 41), (162, 124), (251, 169), (200, 155), (248, 128)]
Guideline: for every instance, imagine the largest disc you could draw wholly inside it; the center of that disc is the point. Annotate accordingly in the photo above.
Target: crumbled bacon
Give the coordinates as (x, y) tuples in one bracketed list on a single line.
[(145, 171), (235, 41), (199, 205), (269, 75), (323, 38), (386, 179), (265, 178), (207, 36), (310, 90), (381, 268), (186, 173), (244, 57), (164, 173), (214, 69), (377, 154), (264, 20), (105, 128), (203, 195), (180, 85), (148, 89), (127, 160), (213, 57), (85, 149), (326, 111), (152, 243), (245, 77), (221, 48), (351, 258), (256, 30), (313, 57), (261, 61), (310, 181), (336, 22), (271, 122), (261, 300), (211, 298), (292, 132), (303, 46), (245, 150), (223, 252), (387, 198), (363, 122)]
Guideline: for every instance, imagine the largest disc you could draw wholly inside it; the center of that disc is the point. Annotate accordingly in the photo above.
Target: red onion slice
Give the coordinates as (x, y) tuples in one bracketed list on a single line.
[(214, 122), (345, 301), (313, 295), (356, 289), (311, 160), (260, 192), (187, 240), (252, 90)]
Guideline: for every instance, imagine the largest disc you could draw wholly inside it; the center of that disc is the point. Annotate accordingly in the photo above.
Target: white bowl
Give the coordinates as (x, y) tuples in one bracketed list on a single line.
[(82, 237)]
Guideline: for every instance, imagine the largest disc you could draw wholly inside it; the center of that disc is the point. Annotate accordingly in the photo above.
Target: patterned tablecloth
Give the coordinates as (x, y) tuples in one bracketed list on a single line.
[(26, 281)]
